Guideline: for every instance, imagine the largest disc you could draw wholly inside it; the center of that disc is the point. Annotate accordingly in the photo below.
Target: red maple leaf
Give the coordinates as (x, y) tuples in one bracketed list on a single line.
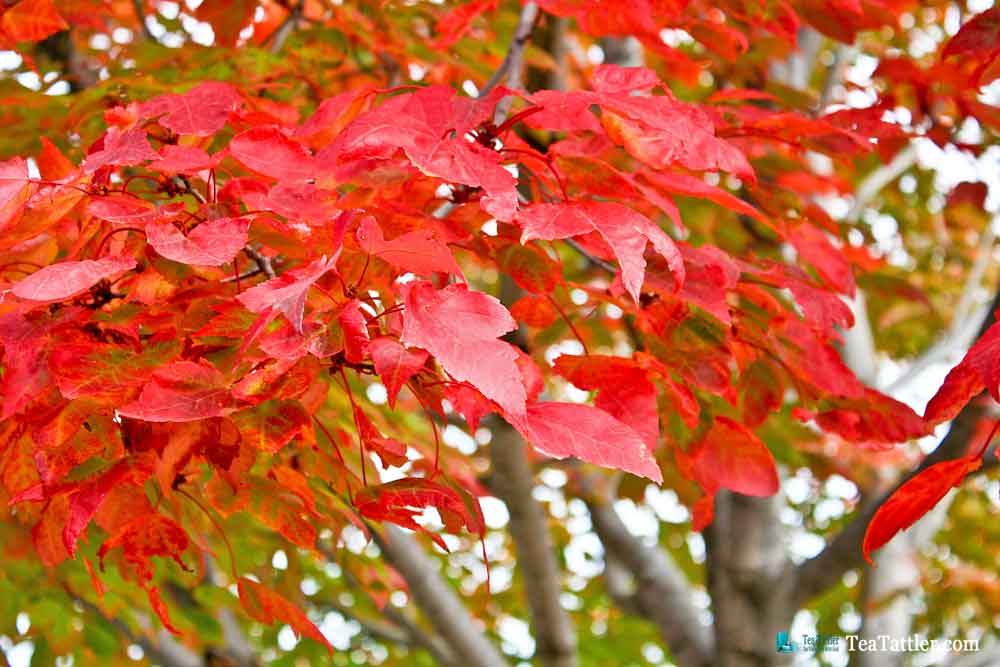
[(201, 111), (267, 606), (430, 127), (174, 159), (142, 539), (86, 497), (404, 499), (352, 321), (31, 21), (624, 388), (211, 243), (391, 452), (418, 251), (978, 370), (287, 293), (395, 364), (730, 456), (58, 282), (978, 37), (119, 148), (626, 230), (915, 498), (182, 391), (15, 188), (460, 328), (268, 151), (590, 434)]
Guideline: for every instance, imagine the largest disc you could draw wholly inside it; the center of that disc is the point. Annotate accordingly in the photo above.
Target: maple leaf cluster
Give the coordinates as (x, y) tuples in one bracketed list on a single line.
[(198, 309)]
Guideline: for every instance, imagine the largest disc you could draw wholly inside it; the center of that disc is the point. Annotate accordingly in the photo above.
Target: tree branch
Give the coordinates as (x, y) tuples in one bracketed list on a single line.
[(237, 647), (437, 600), (165, 650), (620, 585), (859, 345), (841, 54), (374, 628), (140, 13), (869, 188), (62, 50), (513, 482), (858, 349), (794, 71), (283, 31), (419, 637), (885, 607), (263, 263), (401, 629), (748, 578), (662, 592), (513, 61)]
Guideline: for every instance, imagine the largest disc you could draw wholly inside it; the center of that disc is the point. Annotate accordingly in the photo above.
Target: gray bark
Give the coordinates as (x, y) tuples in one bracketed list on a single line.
[(662, 592), (752, 594), (439, 602), (513, 482)]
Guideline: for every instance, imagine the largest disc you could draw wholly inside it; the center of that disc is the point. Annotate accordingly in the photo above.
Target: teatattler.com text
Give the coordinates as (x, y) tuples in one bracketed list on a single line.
[(912, 643), (818, 643)]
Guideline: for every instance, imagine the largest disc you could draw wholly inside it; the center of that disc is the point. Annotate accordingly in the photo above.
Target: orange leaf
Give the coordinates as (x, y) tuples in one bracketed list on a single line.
[(267, 606), (156, 602), (732, 457), (32, 21), (94, 579), (52, 164), (145, 537), (227, 19), (47, 533), (402, 500)]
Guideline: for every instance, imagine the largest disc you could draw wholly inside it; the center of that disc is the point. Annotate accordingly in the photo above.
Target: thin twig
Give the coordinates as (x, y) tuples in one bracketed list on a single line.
[(242, 276), (878, 179), (596, 261), (263, 263), (140, 13), (283, 31), (182, 180), (513, 61), (569, 322), (840, 57)]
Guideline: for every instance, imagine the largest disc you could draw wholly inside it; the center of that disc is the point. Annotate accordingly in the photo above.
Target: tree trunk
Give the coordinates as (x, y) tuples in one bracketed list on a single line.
[(748, 578)]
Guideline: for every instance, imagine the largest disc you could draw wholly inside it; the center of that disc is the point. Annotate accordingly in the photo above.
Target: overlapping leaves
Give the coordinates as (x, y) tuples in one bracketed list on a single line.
[(227, 338)]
